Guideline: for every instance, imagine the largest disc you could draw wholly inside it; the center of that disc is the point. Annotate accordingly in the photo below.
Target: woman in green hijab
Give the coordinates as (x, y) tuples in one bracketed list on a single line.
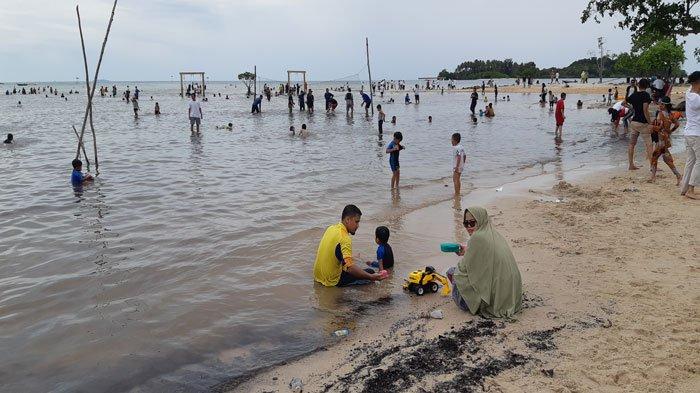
[(487, 280)]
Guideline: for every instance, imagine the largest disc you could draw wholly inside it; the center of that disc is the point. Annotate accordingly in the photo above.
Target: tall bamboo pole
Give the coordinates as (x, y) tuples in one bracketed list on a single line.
[(87, 83), (371, 93), (87, 162), (94, 83)]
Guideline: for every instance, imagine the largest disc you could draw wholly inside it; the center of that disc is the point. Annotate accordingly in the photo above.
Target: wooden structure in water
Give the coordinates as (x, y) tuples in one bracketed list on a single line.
[(182, 82), (289, 78)]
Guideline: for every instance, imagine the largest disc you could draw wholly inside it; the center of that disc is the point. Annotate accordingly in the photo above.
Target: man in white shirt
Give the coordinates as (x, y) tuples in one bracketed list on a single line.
[(459, 158), (691, 177), (195, 114)]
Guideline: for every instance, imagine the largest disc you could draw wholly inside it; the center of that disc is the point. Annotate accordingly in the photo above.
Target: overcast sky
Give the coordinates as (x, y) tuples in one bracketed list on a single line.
[(154, 39)]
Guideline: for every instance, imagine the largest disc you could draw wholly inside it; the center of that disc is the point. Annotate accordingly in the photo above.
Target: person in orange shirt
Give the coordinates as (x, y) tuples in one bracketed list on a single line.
[(665, 123)]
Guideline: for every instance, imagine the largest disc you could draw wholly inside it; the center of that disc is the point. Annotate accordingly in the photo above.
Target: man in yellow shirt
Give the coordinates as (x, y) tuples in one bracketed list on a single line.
[(334, 264)]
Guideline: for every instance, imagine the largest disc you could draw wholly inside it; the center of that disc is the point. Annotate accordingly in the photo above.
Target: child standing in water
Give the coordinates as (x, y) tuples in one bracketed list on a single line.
[(382, 117), (77, 177), (393, 150), (459, 158), (559, 116)]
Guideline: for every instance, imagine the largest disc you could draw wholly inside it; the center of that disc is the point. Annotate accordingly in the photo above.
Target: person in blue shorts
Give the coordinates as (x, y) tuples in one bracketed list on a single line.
[(393, 150)]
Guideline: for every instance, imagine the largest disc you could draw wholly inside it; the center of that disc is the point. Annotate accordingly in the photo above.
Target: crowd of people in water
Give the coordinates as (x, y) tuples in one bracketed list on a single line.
[(644, 108)]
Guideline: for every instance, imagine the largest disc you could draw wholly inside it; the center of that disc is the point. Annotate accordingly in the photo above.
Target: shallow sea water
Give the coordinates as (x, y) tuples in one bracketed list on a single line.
[(189, 260)]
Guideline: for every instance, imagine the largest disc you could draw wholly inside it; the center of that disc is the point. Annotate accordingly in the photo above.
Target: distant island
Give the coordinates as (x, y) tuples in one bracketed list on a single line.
[(493, 69)]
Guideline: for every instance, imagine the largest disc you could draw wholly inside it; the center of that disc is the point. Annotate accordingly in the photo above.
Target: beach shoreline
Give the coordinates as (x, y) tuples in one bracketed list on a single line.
[(588, 259)]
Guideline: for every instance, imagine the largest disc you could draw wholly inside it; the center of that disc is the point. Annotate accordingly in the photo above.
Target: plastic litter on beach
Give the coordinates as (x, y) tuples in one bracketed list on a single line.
[(437, 314), (296, 385), (499, 189), (341, 332)]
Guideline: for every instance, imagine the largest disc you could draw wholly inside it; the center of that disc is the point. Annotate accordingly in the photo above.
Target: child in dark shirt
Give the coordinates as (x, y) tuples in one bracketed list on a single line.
[(385, 255)]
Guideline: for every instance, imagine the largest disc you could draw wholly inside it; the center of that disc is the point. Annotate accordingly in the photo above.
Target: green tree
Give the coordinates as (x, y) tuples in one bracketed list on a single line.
[(627, 64), (665, 57), (247, 78), (650, 20)]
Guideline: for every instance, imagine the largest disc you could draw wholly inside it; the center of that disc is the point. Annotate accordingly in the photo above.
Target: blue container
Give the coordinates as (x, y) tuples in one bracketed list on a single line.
[(449, 247)]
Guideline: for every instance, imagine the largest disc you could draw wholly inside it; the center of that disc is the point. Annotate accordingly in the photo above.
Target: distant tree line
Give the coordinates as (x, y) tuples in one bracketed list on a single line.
[(615, 66)]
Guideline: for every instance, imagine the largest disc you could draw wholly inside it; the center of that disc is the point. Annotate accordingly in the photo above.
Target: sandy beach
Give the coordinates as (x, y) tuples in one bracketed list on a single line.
[(677, 93), (610, 266)]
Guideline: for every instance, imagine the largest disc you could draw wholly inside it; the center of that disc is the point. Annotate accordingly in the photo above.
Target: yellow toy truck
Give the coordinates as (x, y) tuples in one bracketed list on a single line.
[(426, 280)]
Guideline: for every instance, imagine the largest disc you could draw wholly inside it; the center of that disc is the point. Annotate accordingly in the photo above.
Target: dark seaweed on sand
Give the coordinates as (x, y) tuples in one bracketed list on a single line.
[(451, 354)]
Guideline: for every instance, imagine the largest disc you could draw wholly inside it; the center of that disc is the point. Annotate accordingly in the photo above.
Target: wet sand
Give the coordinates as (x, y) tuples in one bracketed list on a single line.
[(610, 276)]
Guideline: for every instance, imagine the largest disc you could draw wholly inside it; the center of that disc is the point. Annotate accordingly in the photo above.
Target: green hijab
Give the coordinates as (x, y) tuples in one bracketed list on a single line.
[(488, 278)]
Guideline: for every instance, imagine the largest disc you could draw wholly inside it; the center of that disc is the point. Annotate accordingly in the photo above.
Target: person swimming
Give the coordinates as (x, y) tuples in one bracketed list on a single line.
[(9, 138)]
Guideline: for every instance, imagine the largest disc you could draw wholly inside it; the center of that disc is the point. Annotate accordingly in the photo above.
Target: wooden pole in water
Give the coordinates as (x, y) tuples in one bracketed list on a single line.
[(369, 72), (87, 91), (255, 81), (94, 83), (87, 162)]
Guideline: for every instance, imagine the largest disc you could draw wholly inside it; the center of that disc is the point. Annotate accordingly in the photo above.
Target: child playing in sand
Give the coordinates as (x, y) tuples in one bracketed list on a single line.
[(385, 255), (77, 177), (393, 150), (459, 158)]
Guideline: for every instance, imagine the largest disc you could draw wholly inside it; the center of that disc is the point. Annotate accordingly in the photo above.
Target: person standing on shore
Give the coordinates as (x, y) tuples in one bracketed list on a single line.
[(559, 117), (639, 125), (691, 176), (327, 96), (475, 98), (335, 264), (195, 113), (665, 123)]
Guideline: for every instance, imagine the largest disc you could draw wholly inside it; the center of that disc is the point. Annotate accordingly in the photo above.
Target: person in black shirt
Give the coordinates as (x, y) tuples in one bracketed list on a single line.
[(475, 98), (640, 122), (310, 101), (328, 95)]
